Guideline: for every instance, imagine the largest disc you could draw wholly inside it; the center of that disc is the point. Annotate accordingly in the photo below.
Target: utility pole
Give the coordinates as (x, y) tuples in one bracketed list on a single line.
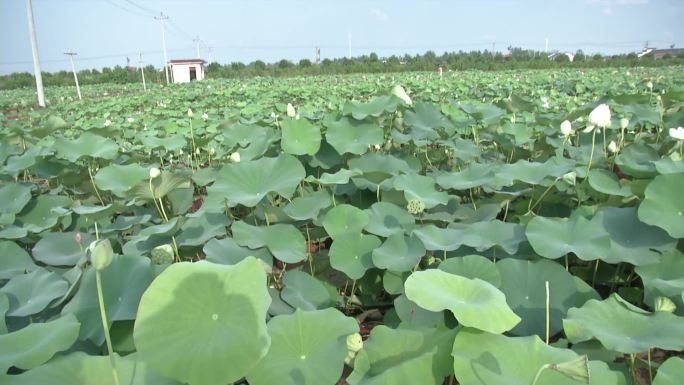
[(546, 45), (71, 55), (210, 49), (161, 19), (34, 51), (142, 71), (197, 44)]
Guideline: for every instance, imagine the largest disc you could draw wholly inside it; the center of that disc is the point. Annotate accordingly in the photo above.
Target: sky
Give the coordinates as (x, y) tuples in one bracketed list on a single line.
[(105, 33)]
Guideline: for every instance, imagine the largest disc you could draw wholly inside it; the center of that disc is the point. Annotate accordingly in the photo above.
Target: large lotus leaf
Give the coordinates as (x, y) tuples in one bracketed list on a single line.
[(424, 119), (485, 235), (624, 328), (488, 114), (404, 356), (33, 345), (198, 229), (244, 135), (556, 237), (532, 172), (40, 214), (664, 279), (306, 292), (637, 160), (523, 283), (169, 143), (340, 177), (472, 266), (14, 197), (307, 347), (344, 219), (516, 103), (399, 253), (152, 236), (13, 232), (308, 206), (632, 241), (204, 323), (14, 260), (351, 253), (125, 222), (227, 252), (662, 205), (670, 372), (422, 188), (4, 307), (375, 162), (473, 175), (669, 166), (30, 293), (376, 107), (80, 368), (435, 238), (642, 113), (474, 302), (352, 136), (411, 314), (385, 219), (123, 283), (162, 185), (607, 182), (247, 183), (61, 249), (120, 178), (87, 144), (300, 137), (284, 241), (482, 358)]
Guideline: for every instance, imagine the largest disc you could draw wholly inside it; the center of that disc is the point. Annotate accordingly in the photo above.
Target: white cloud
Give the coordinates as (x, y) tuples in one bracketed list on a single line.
[(379, 14)]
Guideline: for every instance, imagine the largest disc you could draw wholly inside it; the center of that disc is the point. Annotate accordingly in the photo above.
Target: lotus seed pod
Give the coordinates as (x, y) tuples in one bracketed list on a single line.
[(570, 178), (162, 255), (415, 206), (154, 172), (577, 369), (291, 110), (101, 254), (665, 304), (624, 122)]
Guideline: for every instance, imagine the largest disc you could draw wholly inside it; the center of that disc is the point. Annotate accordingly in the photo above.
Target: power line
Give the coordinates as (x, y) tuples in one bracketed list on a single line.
[(126, 9), (149, 10)]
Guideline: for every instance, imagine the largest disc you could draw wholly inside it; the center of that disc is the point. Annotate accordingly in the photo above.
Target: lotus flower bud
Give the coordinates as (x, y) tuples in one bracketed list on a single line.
[(197, 151), (665, 304), (78, 238), (677, 133), (130, 120), (291, 110), (205, 116), (399, 92), (101, 254), (600, 116), (566, 128), (154, 172), (649, 84), (107, 123), (624, 122), (235, 157), (212, 151), (612, 147), (190, 113)]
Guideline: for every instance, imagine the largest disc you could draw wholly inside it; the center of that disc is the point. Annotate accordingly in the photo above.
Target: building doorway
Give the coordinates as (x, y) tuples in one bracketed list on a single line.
[(193, 74)]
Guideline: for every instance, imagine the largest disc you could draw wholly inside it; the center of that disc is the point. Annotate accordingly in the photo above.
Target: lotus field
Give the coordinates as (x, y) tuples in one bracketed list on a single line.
[(502, 228)]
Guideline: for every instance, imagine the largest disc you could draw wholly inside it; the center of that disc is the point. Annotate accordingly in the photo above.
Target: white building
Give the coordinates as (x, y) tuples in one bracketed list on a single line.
[(187, 70)]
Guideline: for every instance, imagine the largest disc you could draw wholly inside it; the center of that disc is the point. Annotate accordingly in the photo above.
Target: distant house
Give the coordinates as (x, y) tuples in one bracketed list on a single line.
[(661, 53), (569, 55), (187, 70)]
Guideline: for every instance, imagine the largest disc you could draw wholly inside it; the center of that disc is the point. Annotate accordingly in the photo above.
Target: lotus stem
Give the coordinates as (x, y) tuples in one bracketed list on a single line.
[(92, 182), (154, 200), (105, 327), (593, 278), (591, 155), (548, 318), (650, 370), (532, 206), (539, 372)]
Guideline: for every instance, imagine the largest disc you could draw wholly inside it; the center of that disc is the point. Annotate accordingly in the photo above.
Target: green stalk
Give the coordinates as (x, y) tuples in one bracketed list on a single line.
[(591, 156), (105, 327), (548, 317), (539, 372), (92, 182)]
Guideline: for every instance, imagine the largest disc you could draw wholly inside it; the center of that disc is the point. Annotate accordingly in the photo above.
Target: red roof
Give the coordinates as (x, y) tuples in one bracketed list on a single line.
[(187, 61)]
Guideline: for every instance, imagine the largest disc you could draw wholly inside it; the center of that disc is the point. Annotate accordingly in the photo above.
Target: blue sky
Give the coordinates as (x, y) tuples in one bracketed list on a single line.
[(105, 32)]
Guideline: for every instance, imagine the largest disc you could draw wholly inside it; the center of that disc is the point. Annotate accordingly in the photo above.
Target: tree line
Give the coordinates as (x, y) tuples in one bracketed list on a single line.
[(515, 58)]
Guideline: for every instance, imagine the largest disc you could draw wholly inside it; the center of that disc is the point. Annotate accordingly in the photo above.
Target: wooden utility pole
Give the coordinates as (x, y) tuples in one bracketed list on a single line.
[(197, 44), (161, 19), (34, 51), (71, 55), (142, 71)]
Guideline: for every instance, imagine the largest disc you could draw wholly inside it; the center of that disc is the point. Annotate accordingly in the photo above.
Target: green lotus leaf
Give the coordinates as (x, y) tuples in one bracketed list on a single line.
[(86, 144), (393, 282), (664, 278), (351, 253), (344, 219), (385, 219), (284, 241), (623, 327), (61, 249), (340, 177), (227, 252), (420, 187), (662, 205), (487, 234), (4, 307), (14, 260), (40, 214), (399, 253), (472, 175), (472, 266), (31, 293), (170, 143), (162, 185), (412, 315), (152, 236), (488, 114), (435, 238), (632, 241), (637, 160), (247, 183), (97, 212), (474, 302), (424, 119), (300, 137), (352, 136), (307, 347), (481, 358), (403, 356), (36, 343), (523, 283), (216, 312), (80, 368), (375, 162), (303, 291), (245, 134), (670, 372), (532, 172), (376, 107), (124, 222), (120, 178), (308, 206), (201, 227), (14, 197), (556, 237), (607, 182), (669, 166)]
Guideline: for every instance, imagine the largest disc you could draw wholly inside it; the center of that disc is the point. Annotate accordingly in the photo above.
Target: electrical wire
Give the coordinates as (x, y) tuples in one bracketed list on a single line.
[(126, 9)]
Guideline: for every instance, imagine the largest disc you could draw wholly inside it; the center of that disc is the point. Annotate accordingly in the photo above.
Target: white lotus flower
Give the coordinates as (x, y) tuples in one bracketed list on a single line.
[(624, 122), (235, 157), (377, 146), (612, 146), (154, 172), (400, 92), (212, 151), (566, 128), (107, 123), (130, 120), (205, 116), (677, 133), (545, 102), (291, 110), (649, 84), (197, 151), (600, 116), (190, 113), (180, 152)]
